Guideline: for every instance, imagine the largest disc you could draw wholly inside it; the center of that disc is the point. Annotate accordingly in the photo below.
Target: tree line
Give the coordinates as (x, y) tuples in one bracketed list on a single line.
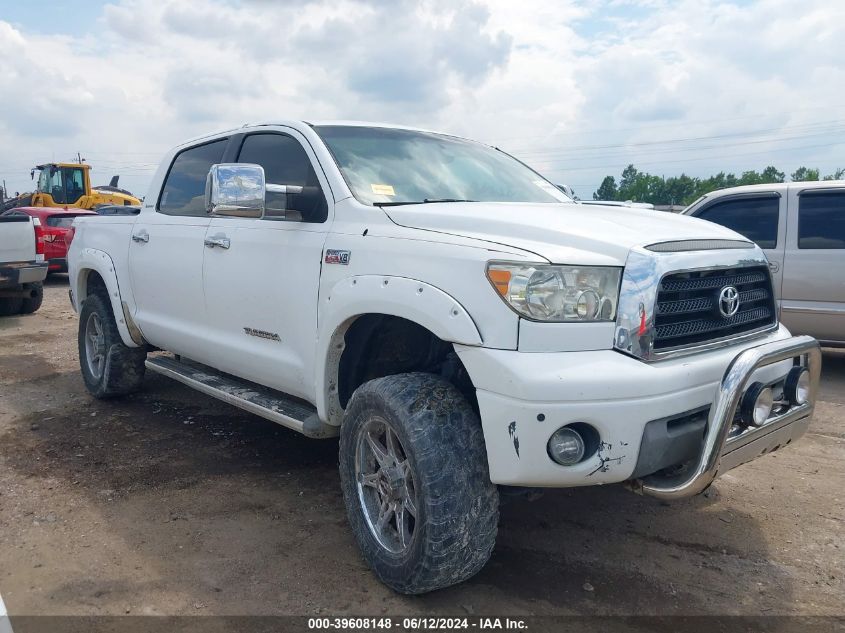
[(641, 186)]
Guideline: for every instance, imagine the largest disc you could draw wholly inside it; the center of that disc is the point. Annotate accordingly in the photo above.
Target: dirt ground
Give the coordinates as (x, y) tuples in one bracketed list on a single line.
[(169, 502)]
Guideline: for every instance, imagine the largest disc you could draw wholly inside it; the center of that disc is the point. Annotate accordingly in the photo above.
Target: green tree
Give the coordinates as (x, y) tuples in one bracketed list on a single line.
[(750, 178), (772, 174), (677, 190), (802, 174), (839, 174), (607, 190), (629, 178), (641, 186)]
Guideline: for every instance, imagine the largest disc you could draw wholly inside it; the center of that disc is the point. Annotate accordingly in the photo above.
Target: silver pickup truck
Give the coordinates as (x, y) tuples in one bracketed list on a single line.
[(801, 228), (22, 265)]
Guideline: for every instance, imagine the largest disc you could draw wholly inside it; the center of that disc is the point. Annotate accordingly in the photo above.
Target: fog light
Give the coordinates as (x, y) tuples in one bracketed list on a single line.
[(756, 404), (797, 386), (566, 446)]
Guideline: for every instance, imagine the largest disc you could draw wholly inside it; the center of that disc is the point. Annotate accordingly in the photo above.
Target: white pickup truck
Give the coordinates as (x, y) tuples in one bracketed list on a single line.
[(458, 321), (22, 265)]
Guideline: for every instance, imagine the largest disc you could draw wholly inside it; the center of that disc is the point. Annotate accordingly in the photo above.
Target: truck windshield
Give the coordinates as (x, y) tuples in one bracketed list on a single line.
[(388, 166)]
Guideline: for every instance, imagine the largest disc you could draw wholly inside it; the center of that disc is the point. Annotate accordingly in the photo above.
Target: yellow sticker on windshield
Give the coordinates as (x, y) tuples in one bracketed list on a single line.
[(383, 190)]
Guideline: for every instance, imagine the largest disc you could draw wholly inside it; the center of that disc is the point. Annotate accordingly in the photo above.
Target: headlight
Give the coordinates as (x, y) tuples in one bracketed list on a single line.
[(544, 292)]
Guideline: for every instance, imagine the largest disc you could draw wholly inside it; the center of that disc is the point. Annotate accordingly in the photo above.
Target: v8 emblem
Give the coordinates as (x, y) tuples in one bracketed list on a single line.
[(337, 257)]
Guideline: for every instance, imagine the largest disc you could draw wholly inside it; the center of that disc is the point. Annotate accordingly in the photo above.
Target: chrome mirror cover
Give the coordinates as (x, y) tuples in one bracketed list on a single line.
[(235, 189)]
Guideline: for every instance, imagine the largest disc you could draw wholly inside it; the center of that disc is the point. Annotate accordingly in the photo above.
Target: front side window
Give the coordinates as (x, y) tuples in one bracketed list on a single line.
[(44, 181), (285, 163), (821, 220), (184, 189), (753, 218), (388, 165)]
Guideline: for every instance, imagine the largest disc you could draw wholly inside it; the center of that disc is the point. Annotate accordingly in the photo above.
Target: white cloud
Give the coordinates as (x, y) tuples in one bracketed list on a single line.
[(612, 78)]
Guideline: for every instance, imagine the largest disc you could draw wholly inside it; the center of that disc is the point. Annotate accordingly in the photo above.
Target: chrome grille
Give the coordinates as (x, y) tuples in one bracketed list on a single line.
[(688, 306)]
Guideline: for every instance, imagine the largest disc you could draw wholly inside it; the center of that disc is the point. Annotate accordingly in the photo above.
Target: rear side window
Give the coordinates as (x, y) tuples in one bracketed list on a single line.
[(754, 218), (285, 163), (184, 189), (821, 220), (61, 221)]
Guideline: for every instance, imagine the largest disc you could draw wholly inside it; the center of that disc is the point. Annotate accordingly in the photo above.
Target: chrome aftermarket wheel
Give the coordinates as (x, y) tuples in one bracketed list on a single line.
[(413, 468), (109, 368), (95, 345), (385, 482)]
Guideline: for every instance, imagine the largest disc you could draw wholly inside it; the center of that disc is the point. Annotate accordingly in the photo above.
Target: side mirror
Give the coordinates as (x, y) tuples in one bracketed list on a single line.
[(235, 189)]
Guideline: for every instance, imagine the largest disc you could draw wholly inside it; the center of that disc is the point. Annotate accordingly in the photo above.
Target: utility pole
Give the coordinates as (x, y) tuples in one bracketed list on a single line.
[(79, 157)]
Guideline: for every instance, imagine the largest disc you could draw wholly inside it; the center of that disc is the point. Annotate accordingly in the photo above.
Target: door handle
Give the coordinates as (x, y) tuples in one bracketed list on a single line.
[(774, 267), (141, 237), (222, 242)]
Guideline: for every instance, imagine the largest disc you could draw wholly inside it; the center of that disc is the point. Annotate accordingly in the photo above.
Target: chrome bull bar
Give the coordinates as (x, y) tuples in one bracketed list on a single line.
[(716, 443)]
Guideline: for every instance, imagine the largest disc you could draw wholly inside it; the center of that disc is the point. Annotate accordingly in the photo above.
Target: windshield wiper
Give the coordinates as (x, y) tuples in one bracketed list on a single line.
[(398, 203)]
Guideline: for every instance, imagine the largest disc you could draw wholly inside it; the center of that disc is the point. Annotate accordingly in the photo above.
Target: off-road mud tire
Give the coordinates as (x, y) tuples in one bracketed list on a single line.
[(457, 504), (124, 366)]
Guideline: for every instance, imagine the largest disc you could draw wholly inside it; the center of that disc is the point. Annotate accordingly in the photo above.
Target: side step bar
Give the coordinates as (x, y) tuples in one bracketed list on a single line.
[(249, 396)]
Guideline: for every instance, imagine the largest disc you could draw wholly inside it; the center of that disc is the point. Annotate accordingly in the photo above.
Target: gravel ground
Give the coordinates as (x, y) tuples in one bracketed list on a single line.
[(169, 502)]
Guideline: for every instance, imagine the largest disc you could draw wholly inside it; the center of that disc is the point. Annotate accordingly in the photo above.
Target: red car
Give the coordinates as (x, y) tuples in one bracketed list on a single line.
[(54, 232)]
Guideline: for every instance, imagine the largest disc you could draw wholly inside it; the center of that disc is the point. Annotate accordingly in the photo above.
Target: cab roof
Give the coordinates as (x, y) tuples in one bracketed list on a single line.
[(46, 165), (299, 123)]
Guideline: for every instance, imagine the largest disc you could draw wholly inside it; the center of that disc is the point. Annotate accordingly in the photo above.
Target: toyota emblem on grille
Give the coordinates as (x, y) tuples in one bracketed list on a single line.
[(728, 301)]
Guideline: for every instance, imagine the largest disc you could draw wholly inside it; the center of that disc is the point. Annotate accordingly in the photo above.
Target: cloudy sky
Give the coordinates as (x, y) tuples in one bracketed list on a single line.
[(578, 89)]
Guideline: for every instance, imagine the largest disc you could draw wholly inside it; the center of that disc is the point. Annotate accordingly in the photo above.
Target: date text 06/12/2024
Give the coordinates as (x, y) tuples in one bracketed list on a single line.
[(416, 623)]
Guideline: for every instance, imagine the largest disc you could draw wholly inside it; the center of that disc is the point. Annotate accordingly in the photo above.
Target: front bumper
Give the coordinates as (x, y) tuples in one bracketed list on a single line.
[(524, 398), (719, 452)]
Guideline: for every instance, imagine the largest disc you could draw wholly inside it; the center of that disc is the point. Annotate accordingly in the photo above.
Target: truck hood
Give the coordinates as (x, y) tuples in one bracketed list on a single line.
[(565, 233)]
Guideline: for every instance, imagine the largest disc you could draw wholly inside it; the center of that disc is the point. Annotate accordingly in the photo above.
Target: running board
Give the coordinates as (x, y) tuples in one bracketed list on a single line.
[(249, 396)]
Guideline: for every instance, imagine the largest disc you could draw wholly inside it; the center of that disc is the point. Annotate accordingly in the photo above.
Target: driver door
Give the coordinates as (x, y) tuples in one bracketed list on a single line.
[(262, 275)]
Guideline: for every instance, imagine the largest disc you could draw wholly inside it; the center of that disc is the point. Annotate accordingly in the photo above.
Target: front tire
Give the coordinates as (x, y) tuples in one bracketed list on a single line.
[(109, 367), (417, 489)]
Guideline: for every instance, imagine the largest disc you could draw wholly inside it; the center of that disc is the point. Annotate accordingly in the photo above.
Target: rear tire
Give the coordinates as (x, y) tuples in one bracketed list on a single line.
[(33, 303), (109, 367), (10, 306), (411, 442)]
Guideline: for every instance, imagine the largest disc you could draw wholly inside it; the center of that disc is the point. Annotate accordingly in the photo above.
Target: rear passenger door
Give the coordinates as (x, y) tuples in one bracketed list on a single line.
[(814, 270), (166, 254), (760, 217), (261, 290)]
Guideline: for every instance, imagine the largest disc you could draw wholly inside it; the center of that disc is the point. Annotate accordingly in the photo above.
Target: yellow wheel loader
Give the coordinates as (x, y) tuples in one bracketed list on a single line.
[(69, 184)]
